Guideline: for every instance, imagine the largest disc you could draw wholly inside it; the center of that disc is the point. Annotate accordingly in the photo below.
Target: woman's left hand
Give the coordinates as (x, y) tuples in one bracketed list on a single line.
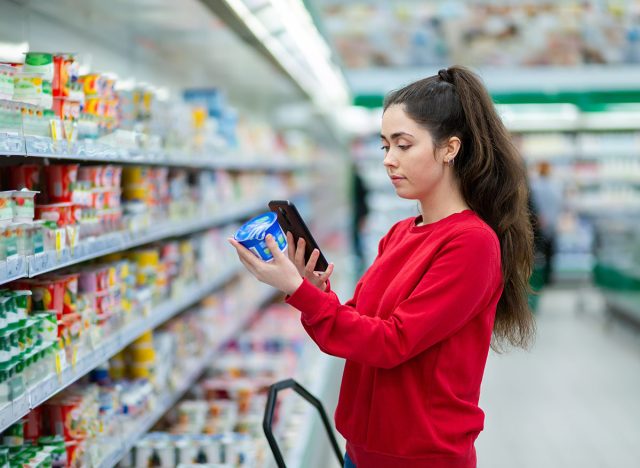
[(280, 273)]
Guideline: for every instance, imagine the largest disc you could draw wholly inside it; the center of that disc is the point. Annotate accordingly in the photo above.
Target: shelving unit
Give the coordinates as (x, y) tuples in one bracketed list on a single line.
[(30, 266), (70, 27), (137, 429), (593, 152), (104, 154), (53, 384)]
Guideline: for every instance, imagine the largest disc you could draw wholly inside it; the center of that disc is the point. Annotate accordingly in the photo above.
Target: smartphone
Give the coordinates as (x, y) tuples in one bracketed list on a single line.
[(290, 220)]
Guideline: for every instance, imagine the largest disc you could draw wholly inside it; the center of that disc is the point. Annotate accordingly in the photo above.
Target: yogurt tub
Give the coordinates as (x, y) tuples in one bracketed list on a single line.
[(24, 205), (60, 179), (252, 235), (39, 62)]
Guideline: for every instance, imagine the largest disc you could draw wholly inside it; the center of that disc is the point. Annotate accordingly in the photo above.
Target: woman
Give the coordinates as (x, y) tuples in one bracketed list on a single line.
[(417, 332)]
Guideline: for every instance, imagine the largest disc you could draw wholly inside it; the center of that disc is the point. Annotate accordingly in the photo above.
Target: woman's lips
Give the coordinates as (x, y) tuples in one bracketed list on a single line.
[(396, 179)]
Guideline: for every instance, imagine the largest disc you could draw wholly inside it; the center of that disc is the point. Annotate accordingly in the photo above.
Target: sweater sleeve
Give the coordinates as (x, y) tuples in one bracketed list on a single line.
[(351, 302), (461, 281)]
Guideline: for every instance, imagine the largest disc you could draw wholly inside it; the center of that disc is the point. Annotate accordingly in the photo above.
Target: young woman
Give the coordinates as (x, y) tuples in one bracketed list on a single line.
[(417, 332)]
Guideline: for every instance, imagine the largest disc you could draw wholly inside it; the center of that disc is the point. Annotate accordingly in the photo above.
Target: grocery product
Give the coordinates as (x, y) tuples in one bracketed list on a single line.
[(252, 235), (40, 63), (24, 205), (28, 88), (60, 180), (25, 176)]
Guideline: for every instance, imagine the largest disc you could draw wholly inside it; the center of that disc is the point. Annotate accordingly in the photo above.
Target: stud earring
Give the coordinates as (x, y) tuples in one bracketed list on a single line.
[(450, 162)]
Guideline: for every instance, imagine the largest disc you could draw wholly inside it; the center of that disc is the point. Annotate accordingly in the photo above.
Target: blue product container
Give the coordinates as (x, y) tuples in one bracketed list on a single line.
[(252, 234)]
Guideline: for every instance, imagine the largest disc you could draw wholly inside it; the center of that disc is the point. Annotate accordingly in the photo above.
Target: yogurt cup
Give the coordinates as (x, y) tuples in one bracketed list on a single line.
[(60, 180), (61, 213), (25, 176), (39, 62), (24, 205), (252, 235)]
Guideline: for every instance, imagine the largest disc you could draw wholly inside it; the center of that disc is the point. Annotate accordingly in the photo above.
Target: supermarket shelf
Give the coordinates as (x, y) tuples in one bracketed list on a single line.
[(625, 305), (169, 399), (45, 262), (45, 148), (603, 179), (11, 144), (53, 384), (104, 245)]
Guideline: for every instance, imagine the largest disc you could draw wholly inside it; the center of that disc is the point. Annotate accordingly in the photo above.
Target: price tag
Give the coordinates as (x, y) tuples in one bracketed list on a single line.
[(73, 234), (6, 416), (74, 357), (58, 241), (54, 129), (45, 259), (59, 363), (11, 267), (94, 337), (14, 265), (20, 407), (3, 271)]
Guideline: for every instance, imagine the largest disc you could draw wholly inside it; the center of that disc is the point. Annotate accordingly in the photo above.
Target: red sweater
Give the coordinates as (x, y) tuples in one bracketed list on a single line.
[(415, 337)]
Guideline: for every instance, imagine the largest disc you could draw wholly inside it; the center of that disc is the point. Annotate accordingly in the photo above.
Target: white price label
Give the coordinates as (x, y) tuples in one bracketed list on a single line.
[(3, 271), (20, 407), (6, 415), (13, 266), (42, 261)]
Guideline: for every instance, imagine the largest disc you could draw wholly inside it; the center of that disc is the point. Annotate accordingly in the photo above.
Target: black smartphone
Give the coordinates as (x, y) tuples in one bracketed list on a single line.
[(290, 220)]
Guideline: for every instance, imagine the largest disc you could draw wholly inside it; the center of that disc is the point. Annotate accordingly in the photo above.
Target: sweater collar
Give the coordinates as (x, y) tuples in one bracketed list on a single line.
[(431, 226)]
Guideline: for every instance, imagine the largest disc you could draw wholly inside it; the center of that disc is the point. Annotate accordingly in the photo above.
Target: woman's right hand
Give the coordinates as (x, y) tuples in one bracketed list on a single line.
[(296, 254)]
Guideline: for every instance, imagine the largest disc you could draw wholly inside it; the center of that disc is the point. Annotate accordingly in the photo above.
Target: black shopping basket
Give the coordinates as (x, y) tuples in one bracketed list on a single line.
[(268, 418)]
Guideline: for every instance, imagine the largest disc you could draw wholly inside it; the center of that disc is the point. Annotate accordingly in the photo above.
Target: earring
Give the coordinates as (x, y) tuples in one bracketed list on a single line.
[(450, 162)]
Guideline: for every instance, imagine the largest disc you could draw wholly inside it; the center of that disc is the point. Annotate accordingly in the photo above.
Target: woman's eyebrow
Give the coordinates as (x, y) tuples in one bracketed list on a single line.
[(396, 135)]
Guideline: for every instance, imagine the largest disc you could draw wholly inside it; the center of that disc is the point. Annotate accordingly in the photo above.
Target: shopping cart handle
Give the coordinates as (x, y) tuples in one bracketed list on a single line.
[(268, 418)]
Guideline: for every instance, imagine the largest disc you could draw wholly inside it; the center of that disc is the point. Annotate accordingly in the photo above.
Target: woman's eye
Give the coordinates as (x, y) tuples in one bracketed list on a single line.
[(404, 147), (384, 148)]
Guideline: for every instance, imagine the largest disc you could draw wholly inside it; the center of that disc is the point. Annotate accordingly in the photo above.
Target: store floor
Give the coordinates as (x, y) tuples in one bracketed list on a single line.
[(573, 401)]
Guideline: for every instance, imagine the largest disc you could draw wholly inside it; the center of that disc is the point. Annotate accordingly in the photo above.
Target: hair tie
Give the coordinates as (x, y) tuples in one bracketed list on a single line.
[(445, 75)]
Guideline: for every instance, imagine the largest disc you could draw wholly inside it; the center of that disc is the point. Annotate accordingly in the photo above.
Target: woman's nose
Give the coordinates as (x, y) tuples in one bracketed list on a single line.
[(390, 160)]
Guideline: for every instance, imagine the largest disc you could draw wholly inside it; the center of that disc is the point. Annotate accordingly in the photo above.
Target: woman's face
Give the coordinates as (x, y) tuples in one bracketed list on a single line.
[(411, 159)]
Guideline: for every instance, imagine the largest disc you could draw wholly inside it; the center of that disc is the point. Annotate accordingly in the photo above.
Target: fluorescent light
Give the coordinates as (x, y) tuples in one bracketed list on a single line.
[(287, 31)]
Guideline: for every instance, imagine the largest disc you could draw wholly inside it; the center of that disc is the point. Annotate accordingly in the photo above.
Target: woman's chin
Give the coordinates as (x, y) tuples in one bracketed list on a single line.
[(405, 194)]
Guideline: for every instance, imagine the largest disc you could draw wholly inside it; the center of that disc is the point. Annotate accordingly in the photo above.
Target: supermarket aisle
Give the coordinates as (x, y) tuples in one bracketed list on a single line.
[(571, 402)]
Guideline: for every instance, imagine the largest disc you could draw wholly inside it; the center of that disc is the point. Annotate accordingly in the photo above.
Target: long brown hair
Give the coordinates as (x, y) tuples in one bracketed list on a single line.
[(492, 178)]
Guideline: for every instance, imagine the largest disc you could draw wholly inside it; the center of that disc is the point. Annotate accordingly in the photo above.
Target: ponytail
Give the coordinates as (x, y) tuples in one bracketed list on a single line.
[(492, 178)]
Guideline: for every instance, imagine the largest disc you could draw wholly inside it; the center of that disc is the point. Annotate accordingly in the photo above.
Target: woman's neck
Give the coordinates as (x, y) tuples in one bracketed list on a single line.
[(439, 206)]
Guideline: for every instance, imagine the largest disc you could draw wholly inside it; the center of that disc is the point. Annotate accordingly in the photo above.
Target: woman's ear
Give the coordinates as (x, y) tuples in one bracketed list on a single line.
[(451, 149)]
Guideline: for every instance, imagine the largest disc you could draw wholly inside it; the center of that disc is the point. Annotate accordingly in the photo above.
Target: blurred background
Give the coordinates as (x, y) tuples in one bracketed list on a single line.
[(150, 129)]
